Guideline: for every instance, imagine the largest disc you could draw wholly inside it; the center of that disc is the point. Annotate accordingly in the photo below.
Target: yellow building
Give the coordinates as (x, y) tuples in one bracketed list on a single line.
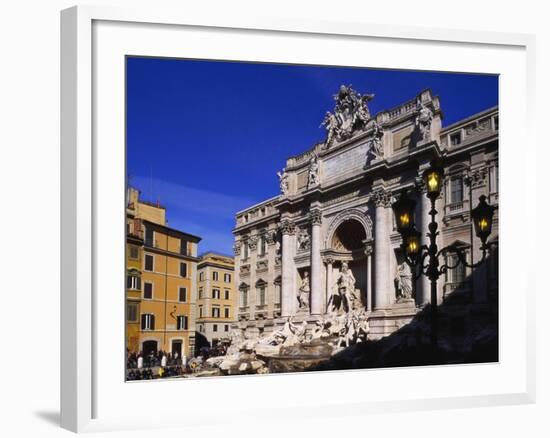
[(216, 299), (161, 279)]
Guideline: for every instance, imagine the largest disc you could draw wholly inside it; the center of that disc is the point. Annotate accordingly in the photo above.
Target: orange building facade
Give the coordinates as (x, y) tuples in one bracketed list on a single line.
[(161, 282)]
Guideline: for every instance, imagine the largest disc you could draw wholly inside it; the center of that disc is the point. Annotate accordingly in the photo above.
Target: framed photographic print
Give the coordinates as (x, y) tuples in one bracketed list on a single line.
[(290, 208)]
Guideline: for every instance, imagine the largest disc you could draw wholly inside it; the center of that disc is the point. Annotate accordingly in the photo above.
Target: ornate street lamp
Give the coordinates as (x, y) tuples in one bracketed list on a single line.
[(483, 219), (432, 179), (403, 209), (416, 254)]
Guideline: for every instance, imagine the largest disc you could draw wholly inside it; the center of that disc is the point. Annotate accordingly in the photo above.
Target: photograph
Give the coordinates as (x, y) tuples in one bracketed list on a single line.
[(286, 218)]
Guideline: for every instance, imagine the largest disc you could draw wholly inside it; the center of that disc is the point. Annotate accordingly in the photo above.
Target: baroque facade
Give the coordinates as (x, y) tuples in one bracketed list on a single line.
[(334, 215)]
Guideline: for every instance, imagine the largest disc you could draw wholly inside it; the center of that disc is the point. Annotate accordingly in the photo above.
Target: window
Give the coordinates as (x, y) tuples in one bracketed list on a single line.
[(262, 245), (215, 312), (183, 269), (148, 291), (133, 253), (216, 293), (227, 278), (182, 322), (133, 282), (183, 247), (183, 294), (457, 192), (260, 299), (200, 311), (456, 138), (226, 327), (201, 328), (201, 276), (215, 327), (244, 297), (226, 312), (277, 298), (215, 276), (458, 274), (132, 312), (147, 321), (149, 262), (200, 293), (149, 237), (227, 294)]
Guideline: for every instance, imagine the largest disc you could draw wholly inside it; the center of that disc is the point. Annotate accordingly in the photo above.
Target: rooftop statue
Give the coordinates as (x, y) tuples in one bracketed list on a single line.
[(350, 114)]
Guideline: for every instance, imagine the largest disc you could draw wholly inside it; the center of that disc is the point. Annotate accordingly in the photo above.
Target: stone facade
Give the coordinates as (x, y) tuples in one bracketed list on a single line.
[(335, 209)]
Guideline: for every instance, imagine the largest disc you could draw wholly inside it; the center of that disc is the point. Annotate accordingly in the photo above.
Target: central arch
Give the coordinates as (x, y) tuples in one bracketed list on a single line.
[(350, 229)]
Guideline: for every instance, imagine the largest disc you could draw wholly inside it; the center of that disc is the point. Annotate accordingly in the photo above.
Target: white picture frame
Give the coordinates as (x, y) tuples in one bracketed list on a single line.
[(88, 397)]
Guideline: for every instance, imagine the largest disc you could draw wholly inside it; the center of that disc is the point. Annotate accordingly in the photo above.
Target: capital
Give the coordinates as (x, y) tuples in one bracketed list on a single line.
[(315, 216), (369, 250), (381, 198), (288, 227), (329, 260)]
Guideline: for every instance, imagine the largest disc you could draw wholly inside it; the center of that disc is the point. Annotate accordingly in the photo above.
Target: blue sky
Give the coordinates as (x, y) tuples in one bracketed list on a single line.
[(206, 138)]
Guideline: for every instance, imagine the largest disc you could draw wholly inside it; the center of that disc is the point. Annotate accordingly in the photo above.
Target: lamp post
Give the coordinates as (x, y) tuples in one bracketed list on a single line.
[(415, 255)]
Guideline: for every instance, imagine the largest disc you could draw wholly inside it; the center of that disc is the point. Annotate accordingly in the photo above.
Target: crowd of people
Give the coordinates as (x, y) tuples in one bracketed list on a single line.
[(161, 364), (155, 364)]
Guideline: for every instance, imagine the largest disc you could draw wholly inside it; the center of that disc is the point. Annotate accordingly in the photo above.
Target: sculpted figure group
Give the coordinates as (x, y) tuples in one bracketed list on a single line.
[(351, 113)]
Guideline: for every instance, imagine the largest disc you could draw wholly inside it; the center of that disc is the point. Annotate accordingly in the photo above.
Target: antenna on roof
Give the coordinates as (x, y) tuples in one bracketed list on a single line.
[(151, 184)]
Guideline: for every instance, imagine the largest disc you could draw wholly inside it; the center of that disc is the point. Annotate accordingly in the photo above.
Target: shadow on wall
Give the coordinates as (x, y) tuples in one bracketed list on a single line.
[(468, 333)]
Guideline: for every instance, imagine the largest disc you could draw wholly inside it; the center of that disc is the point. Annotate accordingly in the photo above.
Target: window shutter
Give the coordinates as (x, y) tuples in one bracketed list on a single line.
[(143, 322), (128, 282), (152, 322), (138, 283)]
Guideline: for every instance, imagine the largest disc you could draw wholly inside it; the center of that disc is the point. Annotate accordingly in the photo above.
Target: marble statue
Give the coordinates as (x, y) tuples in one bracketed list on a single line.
[(343, 297), (330, 122), (303, 292), (376, 148), (423, 121), (283, 181), (313, 173), (403, 282)]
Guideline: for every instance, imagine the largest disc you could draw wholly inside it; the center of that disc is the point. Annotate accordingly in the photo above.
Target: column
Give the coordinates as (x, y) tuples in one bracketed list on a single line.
[(316, 264), (287, 278), (369, 296), (382, 250), (424, 291), (329, 261)]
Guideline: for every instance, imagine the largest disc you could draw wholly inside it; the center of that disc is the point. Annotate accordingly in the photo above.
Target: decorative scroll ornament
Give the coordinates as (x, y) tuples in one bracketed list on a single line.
[(351, 114), (477, 178), (237, 248), (270, 237), (253, 242), (304, 241)]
